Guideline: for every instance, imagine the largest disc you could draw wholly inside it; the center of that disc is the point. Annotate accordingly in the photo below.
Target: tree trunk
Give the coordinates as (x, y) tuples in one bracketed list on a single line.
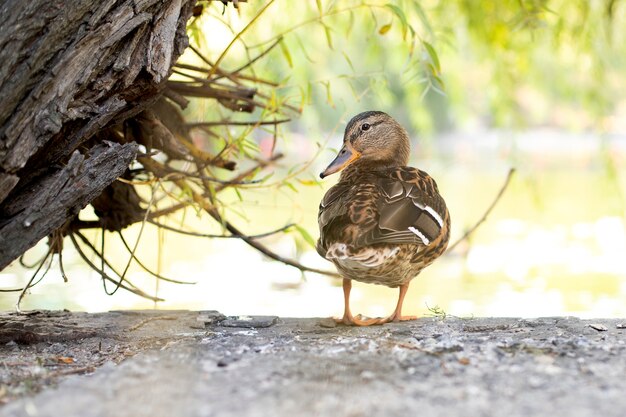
[(69, 70)]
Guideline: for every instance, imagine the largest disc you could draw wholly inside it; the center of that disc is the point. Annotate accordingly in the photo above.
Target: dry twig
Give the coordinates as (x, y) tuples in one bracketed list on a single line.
[(486, 214)]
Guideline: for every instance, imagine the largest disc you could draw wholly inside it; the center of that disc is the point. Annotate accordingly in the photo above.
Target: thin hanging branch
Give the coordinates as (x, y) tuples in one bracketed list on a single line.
[(233, 123), (132, 289), (486, 214), (210, 209), (260, 165), (205, 235), (103, 259), (267, 252), (169, 210), (143, 224), (239, 34), (63, 274), (30, 283), (25, 265), (148, 270), (259, 56)]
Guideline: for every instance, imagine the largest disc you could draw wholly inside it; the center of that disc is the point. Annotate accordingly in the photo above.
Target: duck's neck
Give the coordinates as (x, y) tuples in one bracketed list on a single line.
[(358, 168)]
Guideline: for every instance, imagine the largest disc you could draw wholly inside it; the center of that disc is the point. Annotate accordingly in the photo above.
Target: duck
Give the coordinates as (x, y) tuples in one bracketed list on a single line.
[(383, 222)]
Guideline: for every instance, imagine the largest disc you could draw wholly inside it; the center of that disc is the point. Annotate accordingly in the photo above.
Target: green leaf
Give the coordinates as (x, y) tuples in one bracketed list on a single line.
[(439, 82), (249, 145), (438, 90), (290, 186), (350, 24), (432, 71), (308, 182), (284, 81), (433, 56), (329, 38), (412, 46), (329, 96), (303, 48), (266, 177), (238, 194), (195, 33), (309, 92), (384, 29), (303, 97), (348, 60), (400, 14), (305, 235), (319, 6), (286, 53)]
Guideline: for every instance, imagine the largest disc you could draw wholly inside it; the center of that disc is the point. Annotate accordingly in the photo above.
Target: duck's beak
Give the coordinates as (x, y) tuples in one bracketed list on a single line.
[(345, 157)]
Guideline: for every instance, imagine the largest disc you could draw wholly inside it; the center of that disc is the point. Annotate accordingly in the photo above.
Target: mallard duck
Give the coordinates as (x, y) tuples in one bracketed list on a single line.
[(383, 222)]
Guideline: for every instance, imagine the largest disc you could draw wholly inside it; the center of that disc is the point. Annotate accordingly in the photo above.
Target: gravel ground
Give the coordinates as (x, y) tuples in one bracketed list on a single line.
[(173, 364)]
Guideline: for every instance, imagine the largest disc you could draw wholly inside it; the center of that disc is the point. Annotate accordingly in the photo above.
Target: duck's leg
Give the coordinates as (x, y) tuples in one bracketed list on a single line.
[(397, 314), (348, 318)]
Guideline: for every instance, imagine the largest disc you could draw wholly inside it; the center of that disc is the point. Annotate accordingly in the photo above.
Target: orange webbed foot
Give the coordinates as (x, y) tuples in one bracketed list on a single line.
[(394, 318), (359, 320)]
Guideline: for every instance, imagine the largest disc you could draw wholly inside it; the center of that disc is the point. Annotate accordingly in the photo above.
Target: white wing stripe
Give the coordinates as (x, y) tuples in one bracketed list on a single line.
[(432, 212), (435, 215), (420, 235)]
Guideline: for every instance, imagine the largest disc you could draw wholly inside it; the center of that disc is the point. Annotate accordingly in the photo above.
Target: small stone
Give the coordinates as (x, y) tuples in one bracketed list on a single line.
[(210, 317), (249, 322), (57, 348), (464, 361), (598, 327), (328, 323), (224, 362), (368, 375), (621, 325)]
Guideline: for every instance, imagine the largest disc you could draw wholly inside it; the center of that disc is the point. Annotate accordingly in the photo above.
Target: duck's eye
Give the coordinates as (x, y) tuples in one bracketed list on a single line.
[(365, 126)]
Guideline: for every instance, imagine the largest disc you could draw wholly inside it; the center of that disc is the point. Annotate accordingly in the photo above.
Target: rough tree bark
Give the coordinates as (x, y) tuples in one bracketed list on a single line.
[(69, 70)]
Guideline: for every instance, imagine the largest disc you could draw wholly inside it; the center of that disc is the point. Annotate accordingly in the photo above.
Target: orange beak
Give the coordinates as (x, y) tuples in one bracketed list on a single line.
[(345, 157)]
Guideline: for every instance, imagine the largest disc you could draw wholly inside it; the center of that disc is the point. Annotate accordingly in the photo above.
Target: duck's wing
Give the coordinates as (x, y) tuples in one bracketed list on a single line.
[(409, 209), (396, 206)]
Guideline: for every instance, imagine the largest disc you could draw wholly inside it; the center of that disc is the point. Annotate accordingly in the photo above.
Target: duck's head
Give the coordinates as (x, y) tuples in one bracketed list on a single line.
[(372, 139)]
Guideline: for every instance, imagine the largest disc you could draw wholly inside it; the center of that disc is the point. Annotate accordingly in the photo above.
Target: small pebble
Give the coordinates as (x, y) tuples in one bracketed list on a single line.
[(598, 327), (249, 322), (328, 323), (210, 317), (57, 348), (368, 375)]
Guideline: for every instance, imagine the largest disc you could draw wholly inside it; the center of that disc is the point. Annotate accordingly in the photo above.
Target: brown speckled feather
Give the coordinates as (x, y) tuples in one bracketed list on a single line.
[(383, 226)]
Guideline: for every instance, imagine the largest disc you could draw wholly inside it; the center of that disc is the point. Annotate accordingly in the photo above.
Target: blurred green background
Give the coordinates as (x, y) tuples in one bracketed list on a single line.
[(481, 86)]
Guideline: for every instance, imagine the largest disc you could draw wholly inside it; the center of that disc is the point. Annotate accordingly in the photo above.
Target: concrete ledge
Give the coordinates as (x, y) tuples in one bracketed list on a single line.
[(557, 366)]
